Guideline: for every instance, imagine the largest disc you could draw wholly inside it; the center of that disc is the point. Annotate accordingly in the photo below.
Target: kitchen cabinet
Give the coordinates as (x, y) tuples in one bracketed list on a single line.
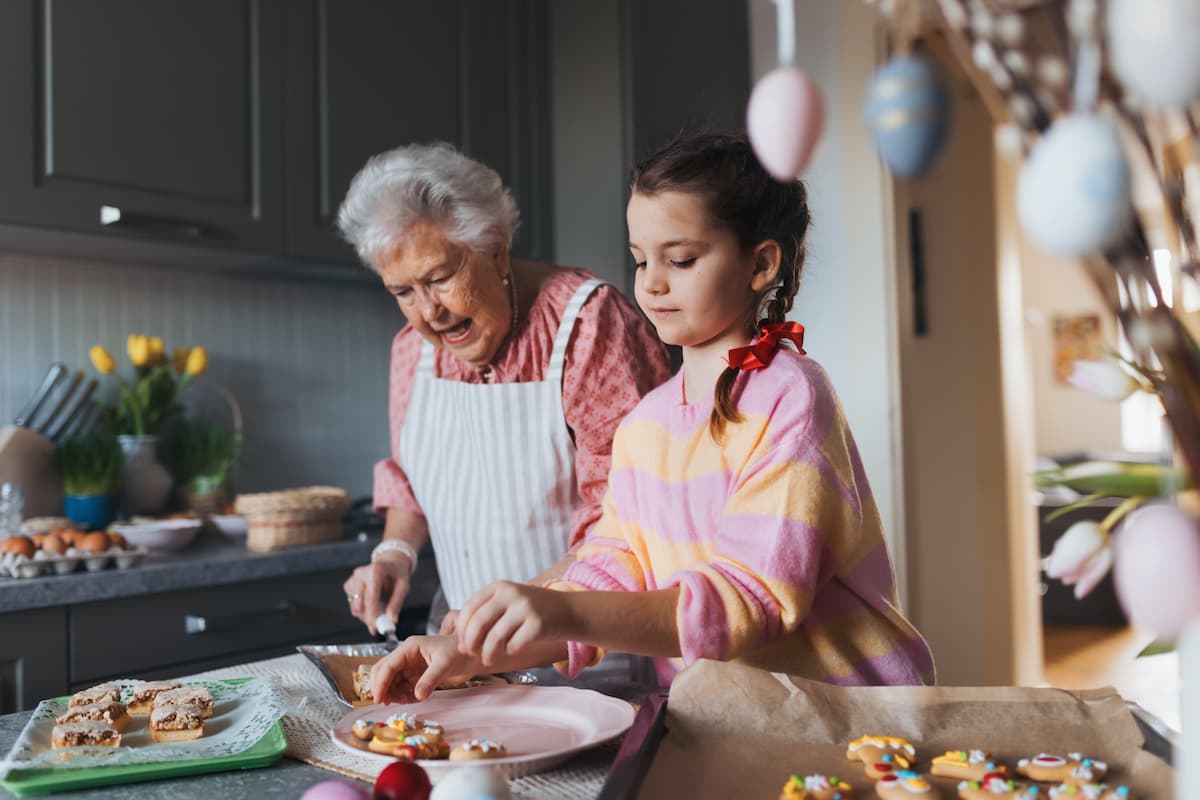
[(33, 657), (238, 124), (364, 77), (145, 119)]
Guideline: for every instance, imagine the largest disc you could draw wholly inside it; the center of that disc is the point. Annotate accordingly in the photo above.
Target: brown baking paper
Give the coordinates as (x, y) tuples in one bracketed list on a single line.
[(738, 732)]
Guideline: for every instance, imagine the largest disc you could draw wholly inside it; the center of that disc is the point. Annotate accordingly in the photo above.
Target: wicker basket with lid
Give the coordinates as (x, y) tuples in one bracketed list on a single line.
[(293, 516)]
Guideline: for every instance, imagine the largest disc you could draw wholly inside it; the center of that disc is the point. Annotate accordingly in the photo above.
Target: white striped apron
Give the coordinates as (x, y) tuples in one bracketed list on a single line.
[(493, 469)]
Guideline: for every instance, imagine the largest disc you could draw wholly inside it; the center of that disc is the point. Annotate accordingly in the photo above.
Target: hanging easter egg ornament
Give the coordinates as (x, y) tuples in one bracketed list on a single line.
[(1152, 46), (1073, 195), (786, 114), (908, 112)]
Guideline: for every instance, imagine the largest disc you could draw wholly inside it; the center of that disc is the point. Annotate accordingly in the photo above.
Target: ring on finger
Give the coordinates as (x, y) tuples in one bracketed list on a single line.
[(350, 598)]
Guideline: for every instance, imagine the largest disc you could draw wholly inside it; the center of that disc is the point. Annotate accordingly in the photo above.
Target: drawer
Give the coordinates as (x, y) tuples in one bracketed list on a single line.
[(134, 635)]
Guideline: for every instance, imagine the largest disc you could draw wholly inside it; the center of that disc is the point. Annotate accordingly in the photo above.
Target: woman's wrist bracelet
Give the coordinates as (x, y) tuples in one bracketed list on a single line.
[(389, 545)]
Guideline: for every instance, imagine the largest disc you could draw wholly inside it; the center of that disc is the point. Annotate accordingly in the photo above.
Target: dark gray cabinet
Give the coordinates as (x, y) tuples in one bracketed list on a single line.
[(365, 76), (238, 124), (144, 119), (33, 657)]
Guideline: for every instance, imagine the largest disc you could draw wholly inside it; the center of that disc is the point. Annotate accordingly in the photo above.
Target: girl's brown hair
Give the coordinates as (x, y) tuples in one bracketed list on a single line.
[(744, 197)]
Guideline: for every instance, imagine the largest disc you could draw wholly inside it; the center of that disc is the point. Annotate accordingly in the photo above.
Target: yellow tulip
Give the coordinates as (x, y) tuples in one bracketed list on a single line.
[(102, 360), (197, 361), (179, 359), (157, 351), (138, 347)]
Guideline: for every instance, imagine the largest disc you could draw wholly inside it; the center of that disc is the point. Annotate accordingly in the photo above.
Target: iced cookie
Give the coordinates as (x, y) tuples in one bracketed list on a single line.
[(112, 714), (1055, 769), (995, 786), (104, 693), (1090, 791), (428, 745), (87, 732), (904, 784), (141, 700), (967, 765), (364, 729), (881, 755), (476, 749), (816, 787)]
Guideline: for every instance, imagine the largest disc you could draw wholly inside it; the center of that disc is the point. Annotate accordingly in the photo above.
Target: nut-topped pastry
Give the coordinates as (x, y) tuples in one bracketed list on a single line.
[(187, 695), (362, 682), (176, 722), (85, 733), (104, 693), (141, 702), (112, 714)]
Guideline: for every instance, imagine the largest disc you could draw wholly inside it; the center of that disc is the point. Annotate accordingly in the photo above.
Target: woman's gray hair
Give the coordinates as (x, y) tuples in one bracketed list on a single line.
[(431, 182)]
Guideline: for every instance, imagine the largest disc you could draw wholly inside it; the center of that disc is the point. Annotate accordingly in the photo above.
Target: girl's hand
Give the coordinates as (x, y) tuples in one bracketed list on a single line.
[(419, 665), (506, 617)]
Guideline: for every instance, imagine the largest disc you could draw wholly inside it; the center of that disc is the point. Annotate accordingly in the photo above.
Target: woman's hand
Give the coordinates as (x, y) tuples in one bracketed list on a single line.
[(387, 577), (505, 618), (419, 665)]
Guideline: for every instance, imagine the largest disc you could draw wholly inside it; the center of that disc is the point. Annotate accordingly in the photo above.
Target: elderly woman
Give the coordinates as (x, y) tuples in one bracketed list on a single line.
[(507, 383)]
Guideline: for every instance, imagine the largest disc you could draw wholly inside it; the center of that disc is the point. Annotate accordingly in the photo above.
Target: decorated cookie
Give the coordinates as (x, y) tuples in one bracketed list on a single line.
[(363, 729), (881, 755), (476, 749), (1055, 769), (968, 765), (428, 746), (1090, 791), (997, 786), (816, 787), (904, 784)]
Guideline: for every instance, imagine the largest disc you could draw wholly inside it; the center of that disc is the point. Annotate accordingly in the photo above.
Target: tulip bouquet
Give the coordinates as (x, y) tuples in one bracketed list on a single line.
[(152, 395)]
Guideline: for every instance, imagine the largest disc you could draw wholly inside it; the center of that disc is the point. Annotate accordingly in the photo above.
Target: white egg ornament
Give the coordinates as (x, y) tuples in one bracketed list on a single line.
[(908, 112), (335, 790), (1152, 47), (1073, 194), (1157, 569), (784, 121), (472, 783)]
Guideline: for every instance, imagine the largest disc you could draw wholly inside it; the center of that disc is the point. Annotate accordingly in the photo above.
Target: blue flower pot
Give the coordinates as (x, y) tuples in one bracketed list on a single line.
[(92, 510)]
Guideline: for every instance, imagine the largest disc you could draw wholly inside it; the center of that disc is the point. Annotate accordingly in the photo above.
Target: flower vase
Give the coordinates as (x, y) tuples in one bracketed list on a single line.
[(145, 483), (93, 511)]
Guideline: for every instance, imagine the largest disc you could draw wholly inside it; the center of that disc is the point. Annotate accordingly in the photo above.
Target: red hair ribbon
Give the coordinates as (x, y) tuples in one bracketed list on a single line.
[(760, 353)]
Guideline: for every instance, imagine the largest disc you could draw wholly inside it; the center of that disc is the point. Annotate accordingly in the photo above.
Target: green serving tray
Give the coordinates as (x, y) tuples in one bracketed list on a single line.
[(25, 783)]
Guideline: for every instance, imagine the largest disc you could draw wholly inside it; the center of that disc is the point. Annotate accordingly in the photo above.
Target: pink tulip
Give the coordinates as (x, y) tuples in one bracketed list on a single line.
[(1103, 379), (1081, 557), (1158, 570)]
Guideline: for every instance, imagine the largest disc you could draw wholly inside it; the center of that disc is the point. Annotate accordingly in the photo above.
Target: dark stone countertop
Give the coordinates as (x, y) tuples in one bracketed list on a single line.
[(286, 778), (212, 560)]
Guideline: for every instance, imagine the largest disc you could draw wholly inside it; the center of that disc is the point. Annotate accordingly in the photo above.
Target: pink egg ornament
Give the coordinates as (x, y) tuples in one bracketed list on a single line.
[(1157, 569), (784, 120), (335, 790)]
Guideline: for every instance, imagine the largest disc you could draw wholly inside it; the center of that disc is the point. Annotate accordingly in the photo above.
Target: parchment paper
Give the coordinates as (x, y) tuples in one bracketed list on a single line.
[(734, 731)]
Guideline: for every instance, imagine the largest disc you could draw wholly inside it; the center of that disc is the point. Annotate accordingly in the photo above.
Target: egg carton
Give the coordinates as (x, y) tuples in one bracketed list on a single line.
[(17, 565)]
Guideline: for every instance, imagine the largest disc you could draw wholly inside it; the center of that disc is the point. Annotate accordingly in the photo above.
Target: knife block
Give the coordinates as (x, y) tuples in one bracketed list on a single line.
[(27, 459)]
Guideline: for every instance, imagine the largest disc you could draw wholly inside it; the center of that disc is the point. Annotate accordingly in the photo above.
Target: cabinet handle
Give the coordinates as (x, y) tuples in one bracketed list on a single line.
[(114, 217), (195, 624)]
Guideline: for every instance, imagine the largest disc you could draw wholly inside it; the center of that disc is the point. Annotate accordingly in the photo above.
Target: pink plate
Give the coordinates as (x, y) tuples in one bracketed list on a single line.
[(540, 725)]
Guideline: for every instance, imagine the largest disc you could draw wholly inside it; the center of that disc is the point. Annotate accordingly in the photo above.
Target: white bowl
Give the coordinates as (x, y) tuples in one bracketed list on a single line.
[(235, 526), (160, 536)]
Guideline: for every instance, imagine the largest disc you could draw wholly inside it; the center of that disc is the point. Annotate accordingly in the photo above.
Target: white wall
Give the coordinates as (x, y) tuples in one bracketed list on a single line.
[(846, 299), (308, 363)]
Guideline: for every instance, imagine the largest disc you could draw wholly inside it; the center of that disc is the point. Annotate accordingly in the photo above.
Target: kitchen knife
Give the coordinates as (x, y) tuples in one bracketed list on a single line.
[(57, 428), (59, 403), (53, 376)]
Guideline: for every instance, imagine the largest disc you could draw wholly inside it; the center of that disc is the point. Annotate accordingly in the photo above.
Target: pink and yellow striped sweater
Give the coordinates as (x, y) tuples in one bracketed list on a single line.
[(773, 536)]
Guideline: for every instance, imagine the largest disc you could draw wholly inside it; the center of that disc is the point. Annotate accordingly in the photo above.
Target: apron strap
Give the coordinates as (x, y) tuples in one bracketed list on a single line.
[(425, 364), (558, 356)]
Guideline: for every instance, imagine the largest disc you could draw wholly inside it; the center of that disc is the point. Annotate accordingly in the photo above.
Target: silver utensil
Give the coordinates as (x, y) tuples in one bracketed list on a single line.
[(384, 624), (73, 411), (53, 376)]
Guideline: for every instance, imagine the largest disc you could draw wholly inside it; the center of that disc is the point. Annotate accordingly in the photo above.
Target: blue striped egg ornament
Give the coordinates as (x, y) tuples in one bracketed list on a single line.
[(908, 112)]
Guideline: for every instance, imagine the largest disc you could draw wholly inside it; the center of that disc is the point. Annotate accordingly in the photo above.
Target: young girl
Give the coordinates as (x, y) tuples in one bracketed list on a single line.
[(738, 523)]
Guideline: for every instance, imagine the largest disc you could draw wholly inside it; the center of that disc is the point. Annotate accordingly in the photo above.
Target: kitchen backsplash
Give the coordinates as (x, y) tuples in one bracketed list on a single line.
[(308, 363)]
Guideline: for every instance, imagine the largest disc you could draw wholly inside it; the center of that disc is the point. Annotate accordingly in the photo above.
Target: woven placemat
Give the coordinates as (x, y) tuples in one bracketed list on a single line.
[(313, 711)]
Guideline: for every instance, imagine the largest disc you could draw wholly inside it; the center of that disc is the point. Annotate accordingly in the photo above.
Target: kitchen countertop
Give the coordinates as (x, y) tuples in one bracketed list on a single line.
[(211, 561)]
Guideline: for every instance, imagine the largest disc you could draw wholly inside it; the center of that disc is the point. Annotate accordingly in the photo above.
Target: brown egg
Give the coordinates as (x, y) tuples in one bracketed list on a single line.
[(70, 536), (93, 542), (37, 540), (51, 543), (21, 545), (117, 540)]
